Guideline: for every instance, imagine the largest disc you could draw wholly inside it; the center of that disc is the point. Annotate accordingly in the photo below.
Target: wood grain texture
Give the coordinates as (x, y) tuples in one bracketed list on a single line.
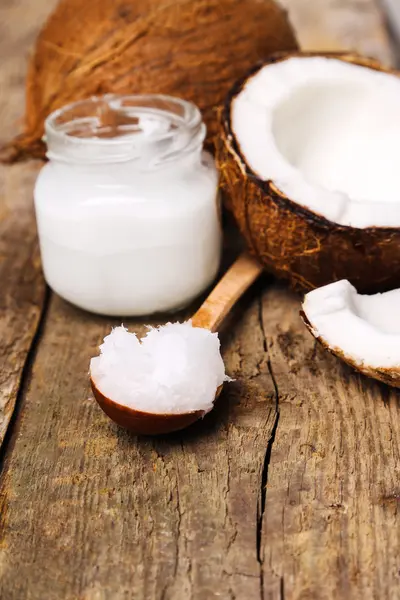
[(107, 515), (288, 489), (331, 526), (22, 289), (341, 25)]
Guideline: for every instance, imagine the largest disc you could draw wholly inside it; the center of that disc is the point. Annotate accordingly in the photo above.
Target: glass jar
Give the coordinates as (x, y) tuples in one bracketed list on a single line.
[(127, 206)]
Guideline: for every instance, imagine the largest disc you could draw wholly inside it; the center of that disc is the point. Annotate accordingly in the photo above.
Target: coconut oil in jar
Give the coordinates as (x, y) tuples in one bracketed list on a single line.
[(127, 206)]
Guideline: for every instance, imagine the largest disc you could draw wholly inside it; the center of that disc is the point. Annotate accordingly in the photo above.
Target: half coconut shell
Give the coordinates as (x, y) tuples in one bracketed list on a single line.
[(362, 330), (290, 240), (390, 376)]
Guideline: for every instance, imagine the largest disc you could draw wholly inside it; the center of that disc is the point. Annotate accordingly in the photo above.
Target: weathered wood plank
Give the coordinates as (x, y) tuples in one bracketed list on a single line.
[(22, 288), (341, 24), (20, 21), (243, 505), (331, 525), (133, 518)]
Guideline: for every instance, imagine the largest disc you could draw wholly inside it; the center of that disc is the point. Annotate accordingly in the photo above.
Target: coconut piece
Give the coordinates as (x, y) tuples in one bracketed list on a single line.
[(193, 49), (362, 330), (174, 369), (310, 170)]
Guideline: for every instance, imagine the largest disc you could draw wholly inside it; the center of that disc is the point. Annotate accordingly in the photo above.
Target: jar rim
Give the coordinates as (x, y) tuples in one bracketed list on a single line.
[(121, 127)]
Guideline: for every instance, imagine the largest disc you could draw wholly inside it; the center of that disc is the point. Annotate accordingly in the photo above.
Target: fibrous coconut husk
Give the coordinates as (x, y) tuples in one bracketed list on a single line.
[(293, 242), (193, 49)]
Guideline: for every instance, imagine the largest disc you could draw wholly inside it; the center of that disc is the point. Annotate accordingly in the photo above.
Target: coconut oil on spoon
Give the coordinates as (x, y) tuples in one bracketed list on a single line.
[(170, 378)]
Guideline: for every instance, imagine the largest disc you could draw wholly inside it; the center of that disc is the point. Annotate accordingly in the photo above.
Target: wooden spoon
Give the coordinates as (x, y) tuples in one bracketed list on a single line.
[(209, 316)]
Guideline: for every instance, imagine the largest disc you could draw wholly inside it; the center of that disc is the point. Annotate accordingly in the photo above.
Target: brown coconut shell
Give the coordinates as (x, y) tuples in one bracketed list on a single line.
[(194, 49), (291, 241), (389, 376)]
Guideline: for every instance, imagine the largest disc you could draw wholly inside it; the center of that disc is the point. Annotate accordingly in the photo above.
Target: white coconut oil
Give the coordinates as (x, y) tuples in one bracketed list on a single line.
[(173, 369), (127, 206)]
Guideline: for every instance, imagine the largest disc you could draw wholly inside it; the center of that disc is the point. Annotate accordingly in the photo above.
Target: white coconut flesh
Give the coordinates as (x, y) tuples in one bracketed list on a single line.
[(174, 369), (327, 134), (365, 329)]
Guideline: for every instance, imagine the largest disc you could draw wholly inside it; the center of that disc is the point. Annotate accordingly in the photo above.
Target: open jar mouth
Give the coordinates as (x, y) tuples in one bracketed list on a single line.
[(151, 129)]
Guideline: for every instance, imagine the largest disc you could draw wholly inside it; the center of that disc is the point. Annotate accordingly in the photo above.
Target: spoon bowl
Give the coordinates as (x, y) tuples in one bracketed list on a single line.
[(209, 316), (143, 423)]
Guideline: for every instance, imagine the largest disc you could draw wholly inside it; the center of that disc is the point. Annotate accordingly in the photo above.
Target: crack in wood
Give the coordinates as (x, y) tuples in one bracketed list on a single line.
[(178, 528), (267, 457), (282, 589), (9, 436)]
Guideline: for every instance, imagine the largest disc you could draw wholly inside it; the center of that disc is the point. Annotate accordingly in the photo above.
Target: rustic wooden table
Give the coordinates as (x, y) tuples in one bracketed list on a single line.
[(289, 489)]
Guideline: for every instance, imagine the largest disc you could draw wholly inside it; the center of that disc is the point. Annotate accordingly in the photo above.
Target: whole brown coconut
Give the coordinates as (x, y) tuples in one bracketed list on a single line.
[(194, 49), (291, 241)]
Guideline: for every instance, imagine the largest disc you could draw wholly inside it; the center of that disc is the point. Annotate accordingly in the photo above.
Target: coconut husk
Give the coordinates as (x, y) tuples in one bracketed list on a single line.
[(193, 49), (293, 242)]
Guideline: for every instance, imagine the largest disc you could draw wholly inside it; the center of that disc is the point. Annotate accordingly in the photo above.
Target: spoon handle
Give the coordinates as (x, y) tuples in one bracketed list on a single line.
[(228, 290)]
